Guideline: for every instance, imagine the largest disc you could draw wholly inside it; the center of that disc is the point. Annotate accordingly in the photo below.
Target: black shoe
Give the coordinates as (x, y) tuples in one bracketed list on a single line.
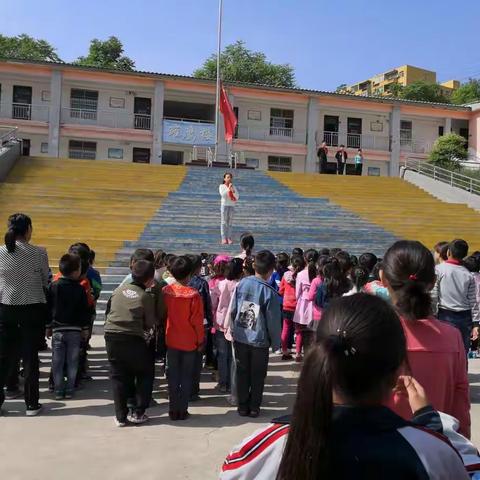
[(33, 411), (195, 398), (243, 413), (254, 413)]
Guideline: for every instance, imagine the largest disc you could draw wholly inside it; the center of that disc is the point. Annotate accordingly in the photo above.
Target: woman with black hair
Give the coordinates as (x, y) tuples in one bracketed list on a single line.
[(229, 198), (23, 283), (340, 428)]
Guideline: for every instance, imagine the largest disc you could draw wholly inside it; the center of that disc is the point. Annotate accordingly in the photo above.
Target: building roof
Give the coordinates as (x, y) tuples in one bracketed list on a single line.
[(304, 91)]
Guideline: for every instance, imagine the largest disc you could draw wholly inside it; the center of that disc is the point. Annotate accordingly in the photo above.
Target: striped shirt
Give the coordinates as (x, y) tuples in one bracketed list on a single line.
[(23, 275)]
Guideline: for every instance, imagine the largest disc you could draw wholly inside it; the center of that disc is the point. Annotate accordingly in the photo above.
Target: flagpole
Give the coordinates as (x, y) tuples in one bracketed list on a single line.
[(217, 92)]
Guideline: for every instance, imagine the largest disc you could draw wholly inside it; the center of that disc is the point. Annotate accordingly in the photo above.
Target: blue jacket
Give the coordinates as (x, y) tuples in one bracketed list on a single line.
[(200, 284), (256, 314)]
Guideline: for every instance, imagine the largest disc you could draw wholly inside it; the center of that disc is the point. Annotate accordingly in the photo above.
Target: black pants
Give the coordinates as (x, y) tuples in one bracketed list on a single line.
[(358, 169), (197, 373), (130, 372), (340, 167), (22, 330), (181, 366), (252, 365), (323, 165)]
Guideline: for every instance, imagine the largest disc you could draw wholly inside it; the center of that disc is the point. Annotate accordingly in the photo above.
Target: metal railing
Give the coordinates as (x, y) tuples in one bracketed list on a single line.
[(7, 135), (142, 121), (273, 134), (355, 140), (453, 179), (24, 111), (81, 154)]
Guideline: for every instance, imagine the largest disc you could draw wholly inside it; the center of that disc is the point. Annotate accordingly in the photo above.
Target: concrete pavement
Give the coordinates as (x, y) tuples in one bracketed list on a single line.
[(77, 439)]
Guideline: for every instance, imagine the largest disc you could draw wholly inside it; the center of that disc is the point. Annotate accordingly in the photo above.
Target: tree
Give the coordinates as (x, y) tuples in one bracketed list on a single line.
[(106, 54), (25, 47), (395, 90), (238, 64), (424, 91), (469, 92), (449, 151)]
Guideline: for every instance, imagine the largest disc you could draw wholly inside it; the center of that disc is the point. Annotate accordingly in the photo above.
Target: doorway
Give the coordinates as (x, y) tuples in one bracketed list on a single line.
[(26, 147), (354, 132), (330, 130), (22, 102), (142, 110)]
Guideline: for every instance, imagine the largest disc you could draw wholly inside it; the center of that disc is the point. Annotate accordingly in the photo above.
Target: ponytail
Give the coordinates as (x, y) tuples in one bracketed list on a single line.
[(247, 242), (18, 225), (413, 300), (311, 257), (307, 452), (10, 238), (298, 264)]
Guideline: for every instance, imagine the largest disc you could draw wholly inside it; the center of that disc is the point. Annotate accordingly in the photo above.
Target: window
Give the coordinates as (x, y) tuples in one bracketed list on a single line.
[(44, 147), (172, 157), (405, 132), (83, 104), (374, 171), (252, 162), (441, 130), (22, 102), (141, 155), (330, 130), (281, 122), (354, 132), (82, 150), (116, 153), (280, 164)]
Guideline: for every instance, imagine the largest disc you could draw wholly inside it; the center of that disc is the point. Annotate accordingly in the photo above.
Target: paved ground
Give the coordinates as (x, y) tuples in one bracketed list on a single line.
[(77, 439)]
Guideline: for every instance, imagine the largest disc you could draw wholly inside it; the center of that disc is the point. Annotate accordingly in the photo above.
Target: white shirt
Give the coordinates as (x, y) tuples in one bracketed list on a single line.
[(226, 201)]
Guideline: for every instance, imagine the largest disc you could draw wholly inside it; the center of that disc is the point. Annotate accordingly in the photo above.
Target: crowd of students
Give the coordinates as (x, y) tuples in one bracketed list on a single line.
[(379, 339)]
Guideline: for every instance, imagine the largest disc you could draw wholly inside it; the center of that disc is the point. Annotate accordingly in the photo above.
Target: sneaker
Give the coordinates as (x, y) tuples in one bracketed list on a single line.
[(118, 423), (68, 395), (287, 356), (173, 415), (232, 401), (13, 394), (223, 389), (183, 415), (243, 413), (138, 419), (298, 358), (34, 411), (254, 413)]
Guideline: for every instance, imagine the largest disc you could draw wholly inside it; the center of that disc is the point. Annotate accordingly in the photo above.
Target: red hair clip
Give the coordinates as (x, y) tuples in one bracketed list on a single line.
[(413, 277)]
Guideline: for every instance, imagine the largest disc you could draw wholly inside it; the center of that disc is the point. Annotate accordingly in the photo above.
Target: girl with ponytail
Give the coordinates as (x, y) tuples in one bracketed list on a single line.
[(339, 428), (23, 282), (303, 316), (436, 355)]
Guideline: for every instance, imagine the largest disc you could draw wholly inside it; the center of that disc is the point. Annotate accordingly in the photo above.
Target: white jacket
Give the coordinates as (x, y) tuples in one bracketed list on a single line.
[(226, 200)]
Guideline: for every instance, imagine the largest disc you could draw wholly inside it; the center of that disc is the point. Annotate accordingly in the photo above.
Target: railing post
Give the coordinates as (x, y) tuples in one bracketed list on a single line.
[(471, 185)]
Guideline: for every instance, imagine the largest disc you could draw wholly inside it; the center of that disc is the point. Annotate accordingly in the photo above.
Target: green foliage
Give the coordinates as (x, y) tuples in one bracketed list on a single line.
[(424, 91), (449, 151), (27, 48), (238, 64), (395, 90), (106, 54), (469, 92)]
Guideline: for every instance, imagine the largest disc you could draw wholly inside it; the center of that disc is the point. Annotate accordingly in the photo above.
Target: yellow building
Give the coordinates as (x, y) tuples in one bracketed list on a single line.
[(381, 85)]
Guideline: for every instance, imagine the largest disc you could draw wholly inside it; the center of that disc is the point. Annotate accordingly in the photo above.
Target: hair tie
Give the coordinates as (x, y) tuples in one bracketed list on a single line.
[(413, 277), (340, 343)]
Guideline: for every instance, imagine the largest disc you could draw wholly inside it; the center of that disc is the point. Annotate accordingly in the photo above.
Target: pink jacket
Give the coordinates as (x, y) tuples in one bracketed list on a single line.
[(437, 359), (214, 294), (225, 290), (304, 310), (317, 312)]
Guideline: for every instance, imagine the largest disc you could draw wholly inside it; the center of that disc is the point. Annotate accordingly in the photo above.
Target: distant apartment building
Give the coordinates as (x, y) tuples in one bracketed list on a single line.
[(69, 111), (381, 84)]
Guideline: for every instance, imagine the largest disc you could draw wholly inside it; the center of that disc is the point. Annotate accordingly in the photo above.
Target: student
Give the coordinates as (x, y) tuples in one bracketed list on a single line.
[(229, 199), (315, 285), (167, 276), (288, 292), (256, 319), (130, 315), (247, 242), (297, 251), (201, 285), (281, 266), (341, 157), (94, 276), (226, 288), (440, 252), (358, 162), (303, 316), (375, 285), (455, 291), (340, 428), (432, 345), (138, 254), (159, 264), (69, 314), (359, 278), (368, 262), (322, 155), (335, 284), (184, 336)]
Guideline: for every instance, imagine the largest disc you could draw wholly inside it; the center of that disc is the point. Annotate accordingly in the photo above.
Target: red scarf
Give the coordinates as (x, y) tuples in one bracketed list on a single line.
[(231, 196)]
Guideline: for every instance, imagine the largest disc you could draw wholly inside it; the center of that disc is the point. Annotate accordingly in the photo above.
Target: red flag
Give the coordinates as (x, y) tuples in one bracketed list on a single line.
[(229, 117)]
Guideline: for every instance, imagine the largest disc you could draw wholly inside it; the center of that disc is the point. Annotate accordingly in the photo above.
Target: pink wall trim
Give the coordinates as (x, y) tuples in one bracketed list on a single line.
[(26, 126), (270, 147), (106, 133)]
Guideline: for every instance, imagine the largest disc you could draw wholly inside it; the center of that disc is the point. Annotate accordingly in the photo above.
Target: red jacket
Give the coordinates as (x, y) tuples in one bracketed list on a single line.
[(185, 315), (287, 291)]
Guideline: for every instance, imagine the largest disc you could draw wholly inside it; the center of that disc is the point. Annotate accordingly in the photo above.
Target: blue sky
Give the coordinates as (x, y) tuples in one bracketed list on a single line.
[(327, 42)]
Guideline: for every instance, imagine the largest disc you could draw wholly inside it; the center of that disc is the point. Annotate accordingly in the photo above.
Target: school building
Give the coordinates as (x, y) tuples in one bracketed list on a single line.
[(68, 111)]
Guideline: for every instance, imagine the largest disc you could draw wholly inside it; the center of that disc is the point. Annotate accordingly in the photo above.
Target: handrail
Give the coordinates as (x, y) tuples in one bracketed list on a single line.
[(193, 120), (9, 135), (440, 174)]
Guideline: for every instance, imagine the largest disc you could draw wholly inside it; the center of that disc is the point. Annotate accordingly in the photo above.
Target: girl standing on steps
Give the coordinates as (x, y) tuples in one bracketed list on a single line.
[(229, 198)]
